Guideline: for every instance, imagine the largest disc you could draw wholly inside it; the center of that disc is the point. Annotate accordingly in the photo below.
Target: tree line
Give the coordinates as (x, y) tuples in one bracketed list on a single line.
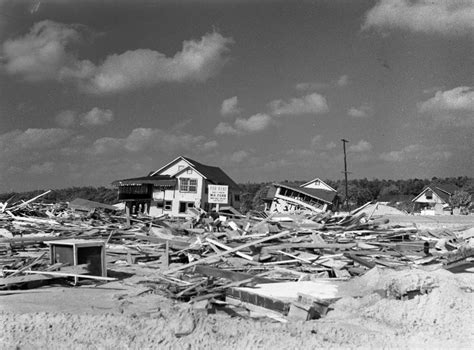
[(106, 195), (360, 191)]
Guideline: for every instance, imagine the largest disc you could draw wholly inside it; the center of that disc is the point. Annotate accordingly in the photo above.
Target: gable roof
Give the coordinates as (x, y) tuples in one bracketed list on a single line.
[(213, 174), (323, 195), (317, 179), (443, 191), (154, 173)]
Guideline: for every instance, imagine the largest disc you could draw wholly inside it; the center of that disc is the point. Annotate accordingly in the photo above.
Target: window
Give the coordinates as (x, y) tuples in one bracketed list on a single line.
[(187, 185), (184, 206), (237, 197), (429, 195), (168, 205), (180, 167), (160, 204)]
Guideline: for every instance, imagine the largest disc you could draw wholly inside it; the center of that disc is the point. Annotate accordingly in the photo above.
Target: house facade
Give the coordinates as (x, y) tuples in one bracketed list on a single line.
[(435, 198), (175, 188)]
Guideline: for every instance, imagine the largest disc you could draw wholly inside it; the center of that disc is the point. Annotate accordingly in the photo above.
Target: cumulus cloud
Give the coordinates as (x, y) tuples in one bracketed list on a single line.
[(230, 106), (460, 98), (97, 116), (151, 140), (343, 81), (454, 107), (316, 141), (253, 124), (310, 104), (66, 118), (44, 54), (446, 17), (360, 147), (32, 139), (239, 156), (418, 153), (225, 129), (311, 86), (363, 111)]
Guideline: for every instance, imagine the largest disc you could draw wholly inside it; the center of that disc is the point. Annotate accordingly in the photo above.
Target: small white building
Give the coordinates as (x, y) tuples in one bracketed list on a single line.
[(434, 199), (176, 187)]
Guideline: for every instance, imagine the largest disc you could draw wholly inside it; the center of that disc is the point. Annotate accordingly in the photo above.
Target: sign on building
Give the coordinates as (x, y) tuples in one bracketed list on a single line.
[(218, 194)]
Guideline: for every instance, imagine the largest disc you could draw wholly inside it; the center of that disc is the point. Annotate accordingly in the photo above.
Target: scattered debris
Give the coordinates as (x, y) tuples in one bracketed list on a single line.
[(288, 265)]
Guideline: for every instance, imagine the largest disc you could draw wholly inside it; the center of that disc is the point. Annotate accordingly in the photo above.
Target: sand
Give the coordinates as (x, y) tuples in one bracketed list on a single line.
[(123, 315), (442, 318)]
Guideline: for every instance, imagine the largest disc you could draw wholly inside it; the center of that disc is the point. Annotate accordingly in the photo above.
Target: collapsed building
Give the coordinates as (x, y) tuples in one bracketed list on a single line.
[(314, 195)]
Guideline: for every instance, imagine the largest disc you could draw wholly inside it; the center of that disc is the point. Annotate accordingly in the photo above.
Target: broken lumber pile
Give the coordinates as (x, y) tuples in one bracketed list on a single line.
[(279, 265)]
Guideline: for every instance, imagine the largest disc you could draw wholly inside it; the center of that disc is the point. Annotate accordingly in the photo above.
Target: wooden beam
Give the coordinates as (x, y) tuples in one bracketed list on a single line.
[(230, 275), (28, 201), (360, 260), (63, 274), (223, 246), (276, 247), (213, 257)]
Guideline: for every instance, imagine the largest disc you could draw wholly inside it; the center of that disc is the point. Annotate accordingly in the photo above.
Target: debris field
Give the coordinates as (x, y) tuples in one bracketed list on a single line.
[(276, 269)]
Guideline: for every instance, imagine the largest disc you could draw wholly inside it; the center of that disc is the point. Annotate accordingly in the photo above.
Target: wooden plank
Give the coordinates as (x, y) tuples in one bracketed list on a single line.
[(30, 240), (63, 274), (230, 275), (257, 311), (213, 257), (29, 201), (10, 281), (298, 258), (29, 265), (276, 247), (360, 260), (174, 244), (226, 247)]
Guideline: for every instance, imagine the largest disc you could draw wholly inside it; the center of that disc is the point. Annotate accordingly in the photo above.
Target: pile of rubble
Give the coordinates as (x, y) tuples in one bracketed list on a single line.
[(292, 265)]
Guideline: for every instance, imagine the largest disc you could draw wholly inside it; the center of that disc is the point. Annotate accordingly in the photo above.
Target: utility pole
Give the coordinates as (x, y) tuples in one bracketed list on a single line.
[(344, 141)]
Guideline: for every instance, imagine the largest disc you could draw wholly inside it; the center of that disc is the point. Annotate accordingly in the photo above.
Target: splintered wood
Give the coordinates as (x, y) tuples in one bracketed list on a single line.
[(293, 262)]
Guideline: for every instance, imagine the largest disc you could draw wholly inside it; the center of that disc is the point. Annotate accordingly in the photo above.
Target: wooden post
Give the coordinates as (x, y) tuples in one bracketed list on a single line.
[(166, 257), (346, 200), (127, 213)]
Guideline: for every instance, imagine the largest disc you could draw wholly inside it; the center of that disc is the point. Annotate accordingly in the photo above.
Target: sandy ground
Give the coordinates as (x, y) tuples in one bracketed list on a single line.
[(123, 315)]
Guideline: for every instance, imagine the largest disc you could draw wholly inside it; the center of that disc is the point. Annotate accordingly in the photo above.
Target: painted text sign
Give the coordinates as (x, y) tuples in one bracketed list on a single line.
[(218, 194)]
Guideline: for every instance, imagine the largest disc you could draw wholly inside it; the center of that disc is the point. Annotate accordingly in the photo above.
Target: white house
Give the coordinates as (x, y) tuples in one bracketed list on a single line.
[(434, 197), (176, 187)]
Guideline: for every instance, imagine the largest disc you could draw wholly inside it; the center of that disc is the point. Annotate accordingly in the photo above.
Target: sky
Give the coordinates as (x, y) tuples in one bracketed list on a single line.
[(93, 91)]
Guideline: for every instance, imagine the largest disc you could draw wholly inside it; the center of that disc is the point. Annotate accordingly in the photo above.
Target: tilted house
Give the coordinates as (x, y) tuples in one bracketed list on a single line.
[(314, 195), (176, 187), (434, 196)]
